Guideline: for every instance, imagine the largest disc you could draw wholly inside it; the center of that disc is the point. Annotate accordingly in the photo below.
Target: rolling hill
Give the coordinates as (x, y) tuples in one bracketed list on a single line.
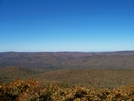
[(121, 59), (107, 69), (9, 74)]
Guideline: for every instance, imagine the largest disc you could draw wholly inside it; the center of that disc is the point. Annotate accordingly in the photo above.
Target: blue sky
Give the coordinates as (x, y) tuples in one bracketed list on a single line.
[(66, 25)]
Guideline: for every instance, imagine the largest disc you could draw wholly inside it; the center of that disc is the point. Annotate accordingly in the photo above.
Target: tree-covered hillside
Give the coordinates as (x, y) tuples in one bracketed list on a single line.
[(68, 59)]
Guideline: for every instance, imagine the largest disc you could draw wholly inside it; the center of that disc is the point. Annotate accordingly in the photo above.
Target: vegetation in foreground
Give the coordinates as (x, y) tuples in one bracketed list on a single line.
[(31, 91)]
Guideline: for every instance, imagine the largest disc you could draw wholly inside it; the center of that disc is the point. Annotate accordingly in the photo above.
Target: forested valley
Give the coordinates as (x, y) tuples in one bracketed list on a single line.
[(67, 76)]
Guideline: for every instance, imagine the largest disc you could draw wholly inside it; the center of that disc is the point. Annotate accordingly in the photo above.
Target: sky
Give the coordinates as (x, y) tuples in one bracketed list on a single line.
[(66, 25)]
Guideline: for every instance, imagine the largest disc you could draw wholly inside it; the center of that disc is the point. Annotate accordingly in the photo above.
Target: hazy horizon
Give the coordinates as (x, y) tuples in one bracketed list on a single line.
[(66, 25), (67, 51)]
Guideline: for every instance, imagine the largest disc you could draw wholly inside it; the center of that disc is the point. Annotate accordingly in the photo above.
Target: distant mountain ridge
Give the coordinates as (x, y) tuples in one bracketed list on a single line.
[(119, 59)]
